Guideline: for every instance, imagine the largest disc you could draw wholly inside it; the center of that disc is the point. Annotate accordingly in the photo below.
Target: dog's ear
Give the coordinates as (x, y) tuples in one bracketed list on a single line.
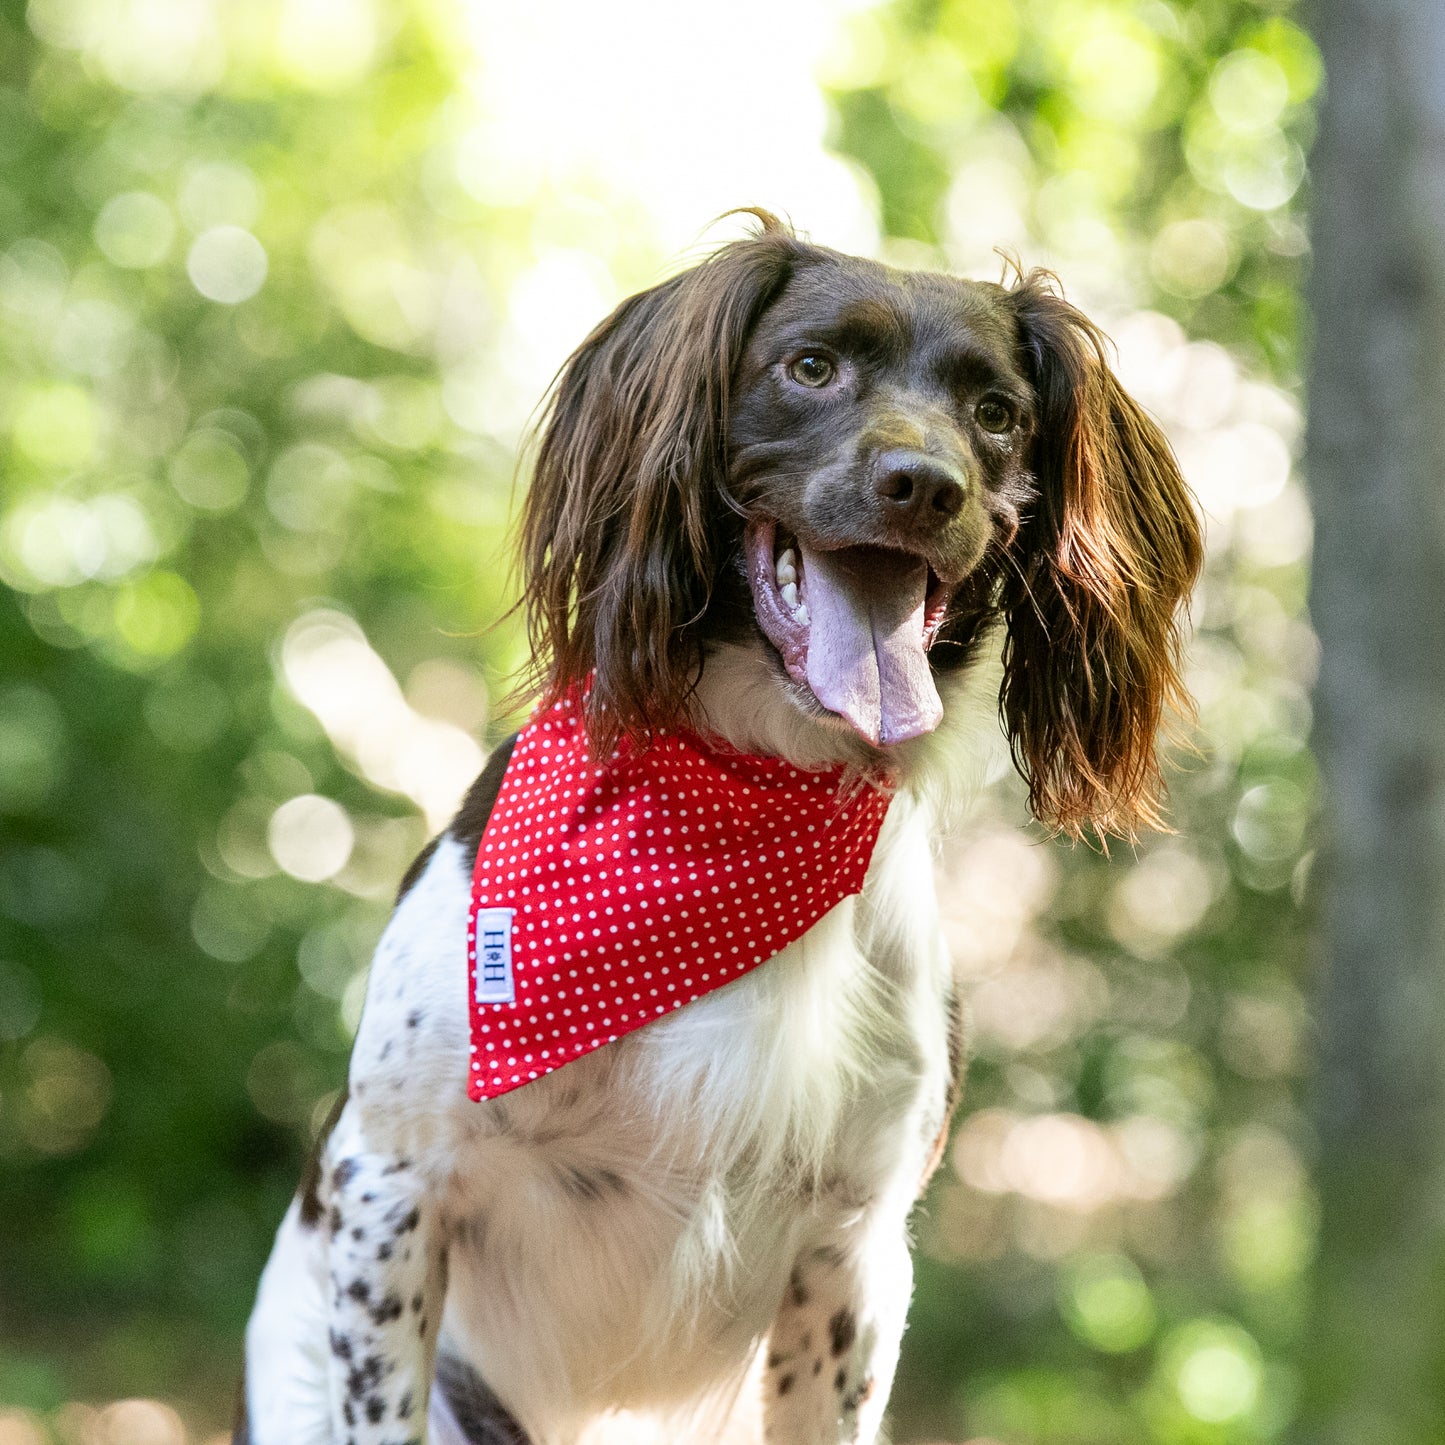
[(1108, 555), (627, 512)]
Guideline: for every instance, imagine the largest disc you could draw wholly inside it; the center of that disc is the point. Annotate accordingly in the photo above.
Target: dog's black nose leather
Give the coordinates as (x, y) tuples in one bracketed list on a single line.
[(917, 489)]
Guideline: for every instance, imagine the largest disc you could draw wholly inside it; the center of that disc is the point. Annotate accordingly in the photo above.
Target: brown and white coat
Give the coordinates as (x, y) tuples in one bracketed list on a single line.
[(699, 1232)]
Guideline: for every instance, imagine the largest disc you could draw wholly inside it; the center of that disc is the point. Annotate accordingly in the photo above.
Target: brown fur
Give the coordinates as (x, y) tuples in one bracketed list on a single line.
[(1093, 653), (309, 1190), (476, 809), (619, 537), (632, 524)]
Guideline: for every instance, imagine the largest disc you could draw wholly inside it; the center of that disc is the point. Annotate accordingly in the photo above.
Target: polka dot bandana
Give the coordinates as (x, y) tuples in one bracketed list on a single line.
[(606, 896)]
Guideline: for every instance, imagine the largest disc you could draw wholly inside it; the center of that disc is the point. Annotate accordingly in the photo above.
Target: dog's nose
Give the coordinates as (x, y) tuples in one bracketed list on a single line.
[(918, 488)]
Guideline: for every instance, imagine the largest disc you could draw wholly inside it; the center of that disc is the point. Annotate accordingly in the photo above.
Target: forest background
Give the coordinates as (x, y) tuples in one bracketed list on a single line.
[(280, 283)]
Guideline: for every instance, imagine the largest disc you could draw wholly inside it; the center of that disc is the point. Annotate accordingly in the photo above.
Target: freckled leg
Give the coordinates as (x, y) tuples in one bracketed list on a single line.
[(834, 1343), (386, 1282)]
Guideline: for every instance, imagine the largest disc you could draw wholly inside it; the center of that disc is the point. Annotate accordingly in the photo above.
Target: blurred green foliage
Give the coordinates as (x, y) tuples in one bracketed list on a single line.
[(182, 478), (252, 332)]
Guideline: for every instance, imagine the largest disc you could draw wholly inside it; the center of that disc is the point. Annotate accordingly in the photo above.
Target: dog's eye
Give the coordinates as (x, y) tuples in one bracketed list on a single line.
[(812, 371), (994, 416)]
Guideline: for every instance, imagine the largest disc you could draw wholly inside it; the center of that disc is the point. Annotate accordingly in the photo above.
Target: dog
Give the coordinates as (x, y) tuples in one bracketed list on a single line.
[(803, 510)]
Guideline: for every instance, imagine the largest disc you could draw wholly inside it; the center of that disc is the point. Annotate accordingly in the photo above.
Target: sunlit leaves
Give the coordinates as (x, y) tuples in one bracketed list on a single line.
[(310, 837), (1214, 1370), (54, 426), (135, 230), (1108, 99), (327, 44), (1193, 258), (203, 429), (1111, 63), (1107, 1303), (210, 471), (33, 748), (156, 615), (227, 264)]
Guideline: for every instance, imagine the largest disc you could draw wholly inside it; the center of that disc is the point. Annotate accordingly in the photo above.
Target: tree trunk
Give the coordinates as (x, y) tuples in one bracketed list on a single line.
[(1375, 1366)]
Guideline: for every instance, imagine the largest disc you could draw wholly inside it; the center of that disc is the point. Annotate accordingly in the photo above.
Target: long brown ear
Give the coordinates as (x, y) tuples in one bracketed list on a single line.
[(627, 508), (1109, 554)]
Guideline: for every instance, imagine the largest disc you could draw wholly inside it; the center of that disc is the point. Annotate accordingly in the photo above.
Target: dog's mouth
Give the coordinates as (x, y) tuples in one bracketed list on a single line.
[(854, 625)]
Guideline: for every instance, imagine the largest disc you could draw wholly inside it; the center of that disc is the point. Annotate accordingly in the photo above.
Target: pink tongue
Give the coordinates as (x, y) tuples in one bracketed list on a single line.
[(865, 641)]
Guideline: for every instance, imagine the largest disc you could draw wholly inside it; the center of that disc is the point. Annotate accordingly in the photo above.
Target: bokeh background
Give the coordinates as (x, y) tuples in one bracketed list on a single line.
[(280, 283)]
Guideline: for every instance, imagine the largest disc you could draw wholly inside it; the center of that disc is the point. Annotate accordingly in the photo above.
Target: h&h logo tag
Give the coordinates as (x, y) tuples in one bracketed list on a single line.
[(494, 956)]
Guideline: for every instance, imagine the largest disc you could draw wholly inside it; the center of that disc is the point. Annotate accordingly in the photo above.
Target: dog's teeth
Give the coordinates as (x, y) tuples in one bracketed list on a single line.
[(790, 595), (800, 612), (787, 572)]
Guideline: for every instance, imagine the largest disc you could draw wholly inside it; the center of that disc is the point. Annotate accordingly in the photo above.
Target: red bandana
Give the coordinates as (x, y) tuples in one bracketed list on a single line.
[(605, 897)]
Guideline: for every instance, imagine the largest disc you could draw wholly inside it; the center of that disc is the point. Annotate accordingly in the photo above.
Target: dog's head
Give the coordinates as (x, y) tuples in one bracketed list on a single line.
[(860, 470)]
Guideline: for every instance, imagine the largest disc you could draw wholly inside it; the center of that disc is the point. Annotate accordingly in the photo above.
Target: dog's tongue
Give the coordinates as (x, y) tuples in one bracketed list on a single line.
[(865, 641)]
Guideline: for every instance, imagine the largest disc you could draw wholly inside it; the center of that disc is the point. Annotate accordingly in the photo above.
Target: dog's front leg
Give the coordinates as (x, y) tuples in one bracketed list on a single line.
[(834, 1343), (387, 1282)]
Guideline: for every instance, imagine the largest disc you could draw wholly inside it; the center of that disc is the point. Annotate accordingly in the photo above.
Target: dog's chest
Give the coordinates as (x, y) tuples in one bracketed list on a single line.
[(658, 1191), (627, 1225)]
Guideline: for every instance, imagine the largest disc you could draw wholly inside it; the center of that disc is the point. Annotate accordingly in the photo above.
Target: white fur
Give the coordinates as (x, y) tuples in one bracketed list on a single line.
[(776, 1129)]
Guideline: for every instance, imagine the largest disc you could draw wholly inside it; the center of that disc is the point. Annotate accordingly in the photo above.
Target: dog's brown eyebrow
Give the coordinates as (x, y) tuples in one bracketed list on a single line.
[(962, 365), (871, 327)]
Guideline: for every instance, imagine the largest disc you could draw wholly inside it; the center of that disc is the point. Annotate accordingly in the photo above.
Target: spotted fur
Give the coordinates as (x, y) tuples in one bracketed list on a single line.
[(621, 1235), (698, 1232)]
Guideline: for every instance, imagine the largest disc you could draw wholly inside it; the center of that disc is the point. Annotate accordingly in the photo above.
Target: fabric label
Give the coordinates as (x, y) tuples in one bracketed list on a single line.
[(492, 955)]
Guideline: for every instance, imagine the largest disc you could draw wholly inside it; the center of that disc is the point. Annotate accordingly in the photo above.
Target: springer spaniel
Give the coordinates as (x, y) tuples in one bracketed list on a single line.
[(801, 525)]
